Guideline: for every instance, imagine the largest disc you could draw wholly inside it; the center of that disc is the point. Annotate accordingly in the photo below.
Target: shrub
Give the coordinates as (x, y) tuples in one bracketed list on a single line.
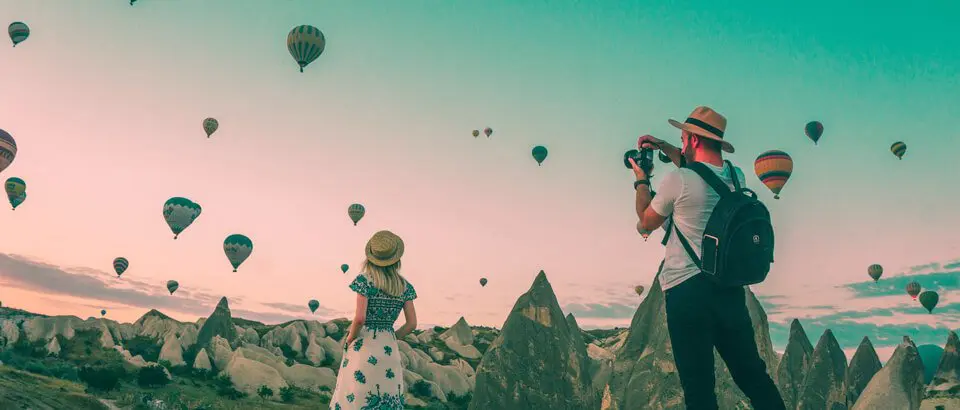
[(287, 394), (264, 392), (152, 376), (104, 378), (421, 389), (224, 387), (144, 346)]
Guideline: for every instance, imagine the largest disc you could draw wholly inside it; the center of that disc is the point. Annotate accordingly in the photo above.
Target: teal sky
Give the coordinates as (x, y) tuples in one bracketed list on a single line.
[(106, 102)]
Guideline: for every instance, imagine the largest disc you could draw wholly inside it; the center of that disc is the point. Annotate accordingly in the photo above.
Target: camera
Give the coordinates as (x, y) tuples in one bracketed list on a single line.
[(643, 158)]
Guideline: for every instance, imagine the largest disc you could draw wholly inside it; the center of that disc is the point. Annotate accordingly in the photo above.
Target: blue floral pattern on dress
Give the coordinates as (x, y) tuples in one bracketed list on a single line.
[(387, 350), (383, 401), (359, 377), (351, 397), (372, 360), (357, 345), (390, 374), (383, 309)]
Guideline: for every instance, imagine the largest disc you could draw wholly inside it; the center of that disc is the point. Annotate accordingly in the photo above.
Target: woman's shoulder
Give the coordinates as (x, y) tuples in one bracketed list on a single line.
[(363, 285), (409, 293)]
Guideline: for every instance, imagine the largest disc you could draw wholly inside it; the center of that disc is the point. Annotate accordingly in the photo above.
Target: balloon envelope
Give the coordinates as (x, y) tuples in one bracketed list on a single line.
[(18, 32), (14, 187), (172, 286), (483, 281), (120, 265), (313, 304), (898, 148), (15, 202), (180, 213), (539, 153), (344, 268), (913, 289), (476, 133), (929, 300), (875, 271), (814, 131), (8, 150), (488, 131), (305, 43), (639, 289), (238, 248), (356, 212), (210, 126), (774, 168), (103, 312)]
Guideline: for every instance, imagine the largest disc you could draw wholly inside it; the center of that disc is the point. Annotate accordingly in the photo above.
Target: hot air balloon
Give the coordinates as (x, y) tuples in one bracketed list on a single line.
[(639, 290), (120, 265), (898, 148), (180, 213), (14, 187), (539, 154), (356, 212), (475, 133), (488, 131), (18, 200), (313, 304), (210, 126), (483, 281), (172, 286), (103, 312), (643, 232), (814, 131), (305, 44), (18, 32), (774, 169), (913, 289), (875, 271), (238, 248), (8, 150), (344, 267), (929, 300)]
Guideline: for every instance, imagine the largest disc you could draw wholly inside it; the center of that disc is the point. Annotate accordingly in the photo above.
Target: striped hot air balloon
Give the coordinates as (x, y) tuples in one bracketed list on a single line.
[(120, 265), (814, 131), (180, 213), (898, 148), (238, 248), (18, 32), (14, 188), (305, 44), (913, 289), (774, 168), (172, 286), (875, 271), (356, 212), (8, 150)]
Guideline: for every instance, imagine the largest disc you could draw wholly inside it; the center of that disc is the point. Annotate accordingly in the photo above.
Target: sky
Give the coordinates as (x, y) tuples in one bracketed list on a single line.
[(106, 103)]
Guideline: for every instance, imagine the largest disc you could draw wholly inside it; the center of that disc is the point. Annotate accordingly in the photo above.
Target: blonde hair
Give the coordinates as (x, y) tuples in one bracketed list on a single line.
[(385, 278)]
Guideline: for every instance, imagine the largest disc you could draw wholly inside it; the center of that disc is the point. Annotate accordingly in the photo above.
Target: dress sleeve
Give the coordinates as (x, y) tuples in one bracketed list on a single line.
[(409, 293), (363, 286)]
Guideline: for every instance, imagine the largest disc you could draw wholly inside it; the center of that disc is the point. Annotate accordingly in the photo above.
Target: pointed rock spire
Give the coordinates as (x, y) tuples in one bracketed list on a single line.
[(823, 384), (793, 365), (947, 378), (864, 365), (535, 362), (898, 385), (220, 323), (460, 333)]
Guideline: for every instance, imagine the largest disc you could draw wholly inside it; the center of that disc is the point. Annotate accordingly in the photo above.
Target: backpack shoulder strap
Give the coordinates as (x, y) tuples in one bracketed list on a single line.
[(733, 176), (711, 178), (688, 248)]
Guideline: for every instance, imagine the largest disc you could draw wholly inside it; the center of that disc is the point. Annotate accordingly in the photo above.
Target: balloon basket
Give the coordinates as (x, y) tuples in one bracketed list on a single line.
[(234, 270)]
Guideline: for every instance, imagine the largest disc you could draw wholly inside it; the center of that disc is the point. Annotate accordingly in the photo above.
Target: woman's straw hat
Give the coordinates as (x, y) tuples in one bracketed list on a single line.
[(384, 248), (706, 122)]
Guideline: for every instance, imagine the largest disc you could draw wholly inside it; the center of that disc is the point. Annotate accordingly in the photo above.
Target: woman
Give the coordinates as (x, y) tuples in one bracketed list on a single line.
[(371, 376)]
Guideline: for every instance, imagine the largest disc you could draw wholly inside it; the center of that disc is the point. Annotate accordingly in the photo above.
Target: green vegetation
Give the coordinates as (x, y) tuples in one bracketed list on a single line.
[(146, 347), (102, 378), (152, 377), (19, 389)]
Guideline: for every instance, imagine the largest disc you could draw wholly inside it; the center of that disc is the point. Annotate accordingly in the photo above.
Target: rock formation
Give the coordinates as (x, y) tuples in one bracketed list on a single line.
[(899, 385), (864, 365), (460, 333), (218, 324), (946, 381), (823, 384), (644, 373), (535, 363), (793, 365)]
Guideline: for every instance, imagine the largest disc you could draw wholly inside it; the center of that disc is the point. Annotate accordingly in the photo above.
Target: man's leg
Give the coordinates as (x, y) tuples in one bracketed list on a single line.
[(734, 339), (690, 324)]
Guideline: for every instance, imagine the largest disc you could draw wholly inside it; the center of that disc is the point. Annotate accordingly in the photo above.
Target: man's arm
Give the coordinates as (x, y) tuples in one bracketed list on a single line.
[(653, 212)]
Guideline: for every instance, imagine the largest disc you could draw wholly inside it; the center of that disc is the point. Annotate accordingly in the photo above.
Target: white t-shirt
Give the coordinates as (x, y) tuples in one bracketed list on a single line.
[(691, 200)]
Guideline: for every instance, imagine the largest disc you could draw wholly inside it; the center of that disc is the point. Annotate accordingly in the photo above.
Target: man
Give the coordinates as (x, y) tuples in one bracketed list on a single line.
[(701, 315)]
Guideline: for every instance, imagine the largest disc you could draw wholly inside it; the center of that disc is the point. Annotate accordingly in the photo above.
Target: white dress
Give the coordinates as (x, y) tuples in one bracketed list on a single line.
[(371, 376)]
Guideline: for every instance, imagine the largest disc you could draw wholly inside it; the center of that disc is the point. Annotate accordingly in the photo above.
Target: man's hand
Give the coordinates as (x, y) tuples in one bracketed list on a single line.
[(637, 170), (649, 141)]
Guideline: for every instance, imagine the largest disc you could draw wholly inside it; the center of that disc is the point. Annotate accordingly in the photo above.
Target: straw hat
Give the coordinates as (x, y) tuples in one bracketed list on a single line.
[(384, 248), (706, 122)]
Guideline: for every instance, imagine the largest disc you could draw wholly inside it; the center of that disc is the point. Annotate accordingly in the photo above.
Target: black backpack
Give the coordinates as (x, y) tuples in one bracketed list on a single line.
[(737, 242)]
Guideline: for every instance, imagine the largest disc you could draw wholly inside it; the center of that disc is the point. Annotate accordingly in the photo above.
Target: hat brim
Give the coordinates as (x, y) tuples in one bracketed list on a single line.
[(385, 262), (728, 147)]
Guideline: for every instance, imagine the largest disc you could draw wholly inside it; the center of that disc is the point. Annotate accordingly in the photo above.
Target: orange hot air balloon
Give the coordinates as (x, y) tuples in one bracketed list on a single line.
[(913, 289), (774, 169)]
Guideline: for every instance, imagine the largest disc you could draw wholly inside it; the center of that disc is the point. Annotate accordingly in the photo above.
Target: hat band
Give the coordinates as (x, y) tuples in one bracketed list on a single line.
[(716, 131)]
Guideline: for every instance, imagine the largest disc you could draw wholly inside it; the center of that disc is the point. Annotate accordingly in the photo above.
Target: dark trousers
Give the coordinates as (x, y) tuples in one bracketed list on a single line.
[(701, 316)]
